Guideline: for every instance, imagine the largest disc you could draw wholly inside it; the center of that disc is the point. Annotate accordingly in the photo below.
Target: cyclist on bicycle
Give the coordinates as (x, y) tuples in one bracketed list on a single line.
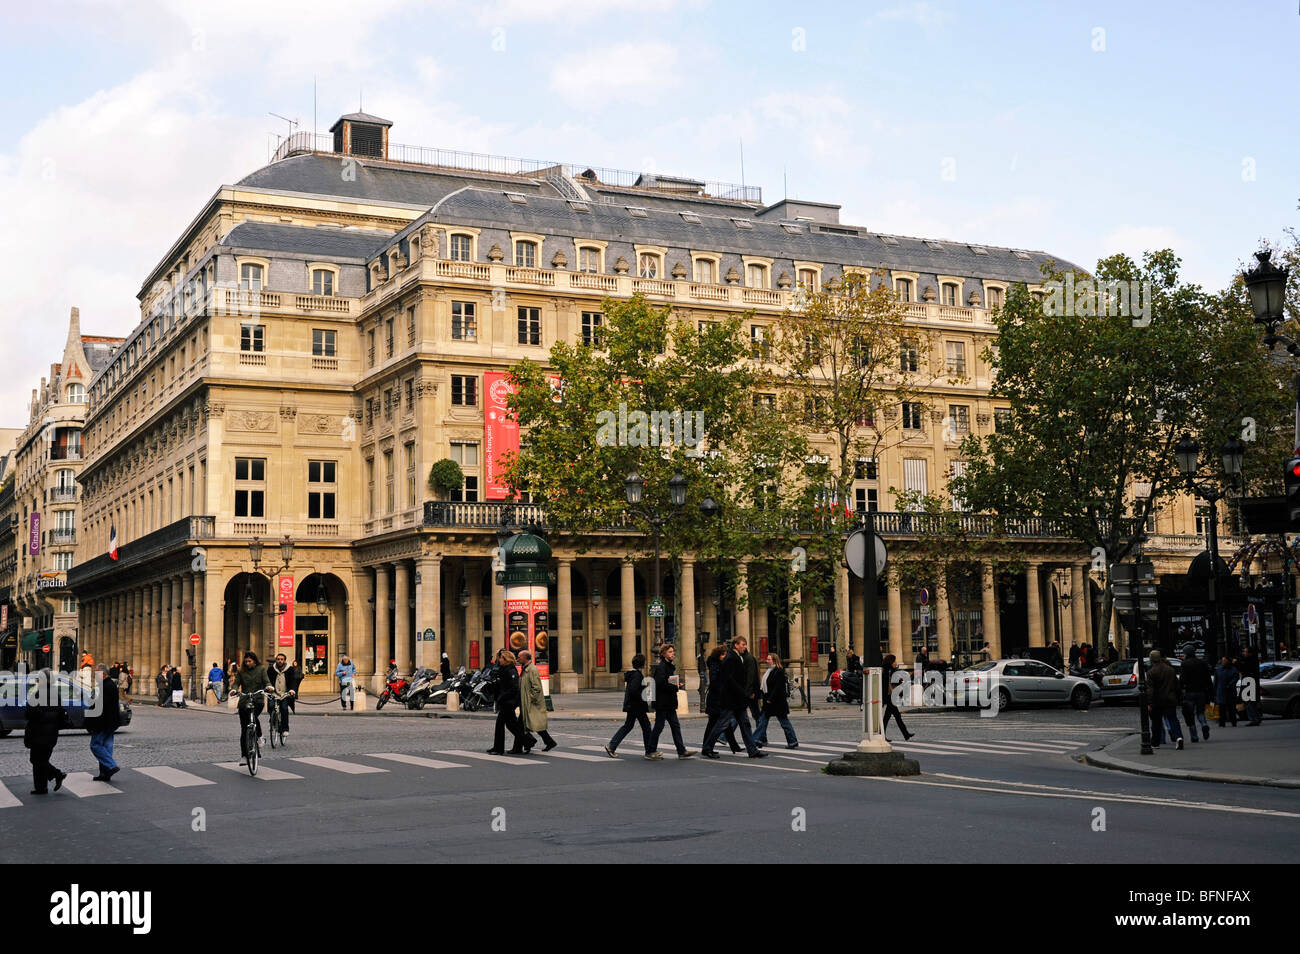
[(249, 679), (285, 679)]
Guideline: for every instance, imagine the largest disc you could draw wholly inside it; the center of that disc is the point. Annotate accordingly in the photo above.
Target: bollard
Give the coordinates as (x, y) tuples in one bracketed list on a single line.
[(361, 700), (453, 702)]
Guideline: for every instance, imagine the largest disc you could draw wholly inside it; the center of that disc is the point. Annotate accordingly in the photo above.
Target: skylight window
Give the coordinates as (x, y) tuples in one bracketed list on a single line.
[(933, 245), (691, 217), (1019, 254), (792, 228), (889, 240), (579, 206), (742, 223), (979, 250), (637, 212), (518, 198)]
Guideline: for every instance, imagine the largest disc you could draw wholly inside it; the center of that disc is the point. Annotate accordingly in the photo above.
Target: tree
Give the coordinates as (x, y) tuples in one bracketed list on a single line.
[(446, 476), (851, 375), (655, 395), (1100, 400)]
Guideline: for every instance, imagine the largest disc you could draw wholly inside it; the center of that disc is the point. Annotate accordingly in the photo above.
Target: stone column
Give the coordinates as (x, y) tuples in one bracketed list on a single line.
[(1049, 621), (179, 641), (564, 679), (208, 623), (133, 630), (858, 610), (896, 631), (473, 617), (992, 624), (140, 634), (361, 626), (156, 651), (500, 639), (188, 629), (1078, 604), (428, 614), (165, 625), (1035, 598), (842, 619), (943, 617), (808, 619), (742, 614), (402, 617), (383, 642), (627, 599), (686, 650)]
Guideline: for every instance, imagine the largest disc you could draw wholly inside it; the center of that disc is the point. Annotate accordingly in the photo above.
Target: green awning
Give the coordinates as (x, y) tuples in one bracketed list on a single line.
[(33, 641)]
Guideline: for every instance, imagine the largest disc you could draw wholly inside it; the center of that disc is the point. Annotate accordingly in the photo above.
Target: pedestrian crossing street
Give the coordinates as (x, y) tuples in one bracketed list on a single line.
[(810, 757)]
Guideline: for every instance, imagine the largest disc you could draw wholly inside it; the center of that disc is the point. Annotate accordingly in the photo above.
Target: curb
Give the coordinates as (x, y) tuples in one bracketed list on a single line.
[(440, 714), (1100, 760)]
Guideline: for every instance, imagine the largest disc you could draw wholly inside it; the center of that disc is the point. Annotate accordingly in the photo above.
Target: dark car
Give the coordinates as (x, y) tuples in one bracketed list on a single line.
[(74, 698)]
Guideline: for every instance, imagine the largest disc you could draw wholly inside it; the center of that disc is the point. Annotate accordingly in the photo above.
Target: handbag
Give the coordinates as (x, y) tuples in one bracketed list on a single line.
[(178, 696), (1211, 711)]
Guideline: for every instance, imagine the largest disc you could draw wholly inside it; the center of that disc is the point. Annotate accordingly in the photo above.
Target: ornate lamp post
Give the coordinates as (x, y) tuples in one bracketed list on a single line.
[(251, 607), (1266, 284)]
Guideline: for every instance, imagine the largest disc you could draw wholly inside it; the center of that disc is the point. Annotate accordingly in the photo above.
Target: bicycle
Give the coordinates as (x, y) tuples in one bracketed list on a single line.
[(252, 737)]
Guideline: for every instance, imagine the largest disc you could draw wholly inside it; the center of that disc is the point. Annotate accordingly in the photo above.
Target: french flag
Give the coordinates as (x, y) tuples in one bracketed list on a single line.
[(112, 542)]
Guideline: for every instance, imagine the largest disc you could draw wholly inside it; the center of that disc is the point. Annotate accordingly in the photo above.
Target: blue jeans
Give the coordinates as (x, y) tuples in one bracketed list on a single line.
[(1193, 709), (216, 687), (670, 717), (101, 747), (1170, 716), (760, 730)]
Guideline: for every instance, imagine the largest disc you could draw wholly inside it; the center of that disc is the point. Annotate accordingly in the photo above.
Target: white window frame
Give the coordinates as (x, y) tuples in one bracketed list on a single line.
[(313, 268), (752, 262)]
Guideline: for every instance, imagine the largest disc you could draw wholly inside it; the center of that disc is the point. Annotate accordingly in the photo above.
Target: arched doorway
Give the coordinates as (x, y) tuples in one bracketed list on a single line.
[(248, 621), (319, 629)]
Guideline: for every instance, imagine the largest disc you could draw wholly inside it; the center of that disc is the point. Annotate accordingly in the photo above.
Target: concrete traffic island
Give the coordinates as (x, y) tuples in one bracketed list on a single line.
[(874, 763)]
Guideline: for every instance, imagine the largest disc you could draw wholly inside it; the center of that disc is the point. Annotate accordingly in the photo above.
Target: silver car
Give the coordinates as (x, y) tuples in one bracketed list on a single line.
[(1279, 688), (1026, 682), (1119, 680)]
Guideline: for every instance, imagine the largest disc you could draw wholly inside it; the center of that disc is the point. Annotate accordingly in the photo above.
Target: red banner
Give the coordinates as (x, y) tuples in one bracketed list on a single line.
[(286, 617), (600, 654), (500, 434), (473, 654)]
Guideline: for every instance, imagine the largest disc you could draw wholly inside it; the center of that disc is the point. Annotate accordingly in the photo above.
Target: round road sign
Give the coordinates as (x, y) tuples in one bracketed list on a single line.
[(194, 638)]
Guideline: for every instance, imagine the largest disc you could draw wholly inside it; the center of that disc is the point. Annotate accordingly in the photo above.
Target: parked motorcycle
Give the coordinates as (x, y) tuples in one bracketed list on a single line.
[(483, 690), (423, 683), (458, 684), (395, 687)]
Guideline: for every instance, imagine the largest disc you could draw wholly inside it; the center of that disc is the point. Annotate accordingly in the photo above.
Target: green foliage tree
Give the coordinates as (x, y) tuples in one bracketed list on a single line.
[(1099, 401), (445, 476)]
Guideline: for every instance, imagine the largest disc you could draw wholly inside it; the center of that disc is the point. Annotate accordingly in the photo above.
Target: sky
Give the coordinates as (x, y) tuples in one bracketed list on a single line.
[(1079, 129)]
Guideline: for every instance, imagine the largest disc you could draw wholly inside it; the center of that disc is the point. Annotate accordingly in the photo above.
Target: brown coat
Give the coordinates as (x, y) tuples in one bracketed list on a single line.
[(532, 701)]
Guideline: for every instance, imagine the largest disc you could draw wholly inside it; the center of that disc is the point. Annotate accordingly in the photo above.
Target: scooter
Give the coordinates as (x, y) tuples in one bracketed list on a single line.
[(483, 689), (422, 686), (458, 684), (395, 688)]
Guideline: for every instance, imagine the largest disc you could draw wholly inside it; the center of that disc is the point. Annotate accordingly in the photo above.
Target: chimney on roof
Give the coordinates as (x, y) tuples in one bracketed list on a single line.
[(361, 134), (74, 322)]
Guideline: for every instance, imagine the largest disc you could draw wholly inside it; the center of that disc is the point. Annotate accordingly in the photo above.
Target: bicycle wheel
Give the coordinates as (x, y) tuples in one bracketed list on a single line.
[(250, 744), (274, 726)]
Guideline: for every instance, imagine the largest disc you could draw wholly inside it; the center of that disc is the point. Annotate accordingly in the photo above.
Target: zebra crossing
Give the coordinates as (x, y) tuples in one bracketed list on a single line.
[(807, 759)]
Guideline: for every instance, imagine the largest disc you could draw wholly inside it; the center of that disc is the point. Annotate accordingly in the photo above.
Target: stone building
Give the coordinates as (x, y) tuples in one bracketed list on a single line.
[(325, 329)]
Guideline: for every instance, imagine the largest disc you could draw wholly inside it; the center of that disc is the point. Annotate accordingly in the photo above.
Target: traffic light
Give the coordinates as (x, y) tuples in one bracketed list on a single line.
[(1291, 481)]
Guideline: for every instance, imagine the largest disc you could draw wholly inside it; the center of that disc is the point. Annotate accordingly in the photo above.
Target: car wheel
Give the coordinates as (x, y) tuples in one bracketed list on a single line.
[(1004, 699), (1292, 710), (1080, 697)]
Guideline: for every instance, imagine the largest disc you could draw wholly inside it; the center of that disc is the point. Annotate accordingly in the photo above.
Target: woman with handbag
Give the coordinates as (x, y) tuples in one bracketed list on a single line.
[(776, 703), (713, 698), (507, 703)]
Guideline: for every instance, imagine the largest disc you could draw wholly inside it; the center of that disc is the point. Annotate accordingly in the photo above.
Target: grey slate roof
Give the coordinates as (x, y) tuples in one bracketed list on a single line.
[(375, 181), (362, 118), (99, 354), (717, 233), (358, 244)]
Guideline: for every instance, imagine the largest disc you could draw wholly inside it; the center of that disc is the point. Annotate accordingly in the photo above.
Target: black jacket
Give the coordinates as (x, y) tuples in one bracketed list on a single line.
[(665, 692), (1195, 674), (110, 717), (632, 701), (751, 675), (775, 702), (445, 670), (508, 695), (43, 724), (713, 696), (292, 677), (732, 695), (1162, 684), (176, 682)]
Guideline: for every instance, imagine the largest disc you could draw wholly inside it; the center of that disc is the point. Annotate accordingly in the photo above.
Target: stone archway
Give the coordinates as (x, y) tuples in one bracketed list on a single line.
[(320, 628)]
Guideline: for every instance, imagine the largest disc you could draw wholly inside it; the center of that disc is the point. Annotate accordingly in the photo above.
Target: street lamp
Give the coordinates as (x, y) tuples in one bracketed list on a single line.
[(255, 549), (1266, 284), (1231, 454), (633, 488)]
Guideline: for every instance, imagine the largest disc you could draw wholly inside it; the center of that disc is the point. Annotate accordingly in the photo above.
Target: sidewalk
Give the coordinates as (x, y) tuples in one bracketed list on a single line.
[(1267, 754)]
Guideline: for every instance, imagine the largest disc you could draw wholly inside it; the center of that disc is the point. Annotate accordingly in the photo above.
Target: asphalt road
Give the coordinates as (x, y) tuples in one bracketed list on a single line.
[(1008, 789)]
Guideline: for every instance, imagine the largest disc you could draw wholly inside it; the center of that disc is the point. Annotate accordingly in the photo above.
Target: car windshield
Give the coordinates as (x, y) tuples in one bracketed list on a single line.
[(981, 667), (1119, 667), (1274, 671)]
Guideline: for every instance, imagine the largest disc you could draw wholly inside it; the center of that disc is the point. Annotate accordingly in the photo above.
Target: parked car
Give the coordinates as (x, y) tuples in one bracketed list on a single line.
[(1279, 688), (75, 699), (1119, 680), (1025, 682)]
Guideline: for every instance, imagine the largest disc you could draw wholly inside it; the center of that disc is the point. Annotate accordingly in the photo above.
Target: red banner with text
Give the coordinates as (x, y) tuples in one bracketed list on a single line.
[(286, 617), (500, 433)]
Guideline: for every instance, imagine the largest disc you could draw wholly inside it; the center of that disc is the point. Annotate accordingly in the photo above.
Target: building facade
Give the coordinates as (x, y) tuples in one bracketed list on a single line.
[(323, 332)]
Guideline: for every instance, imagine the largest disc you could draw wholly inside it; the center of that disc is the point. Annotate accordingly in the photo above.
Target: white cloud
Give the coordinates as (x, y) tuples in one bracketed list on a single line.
[(624, 70)]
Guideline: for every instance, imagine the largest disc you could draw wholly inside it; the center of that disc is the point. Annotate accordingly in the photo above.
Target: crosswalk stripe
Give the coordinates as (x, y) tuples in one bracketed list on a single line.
[(1017, 745), (173, 777), (1067, 742), (7, 798), (336, 765), (499, 759), (753, 763), (81, 785), (795, 758), (264, 773), (414, 760), (575, 756)]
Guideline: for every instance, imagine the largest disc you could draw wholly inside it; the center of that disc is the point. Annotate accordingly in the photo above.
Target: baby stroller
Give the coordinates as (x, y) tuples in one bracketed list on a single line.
[(845, 687)]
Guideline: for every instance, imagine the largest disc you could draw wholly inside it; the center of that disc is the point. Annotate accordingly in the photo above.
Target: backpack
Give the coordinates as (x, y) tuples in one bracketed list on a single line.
[(648, 691)]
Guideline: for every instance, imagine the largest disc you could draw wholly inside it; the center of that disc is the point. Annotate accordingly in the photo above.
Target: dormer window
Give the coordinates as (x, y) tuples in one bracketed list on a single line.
[(706, 271), (756, 275), (251, 277), (322, 282), (948, 294), (649, 265), (589, 259), (904, 287), (525, 254), (996, 297), (460, 248)]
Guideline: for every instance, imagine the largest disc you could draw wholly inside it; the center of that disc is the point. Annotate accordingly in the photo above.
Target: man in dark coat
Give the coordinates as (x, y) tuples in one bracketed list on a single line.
[(1197, 688), (733, 697), (44, 719), (507, 703), (1225, 690), (666, 706), (103, 725), (1165, 694), (1074, 655), (1054, 658)]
